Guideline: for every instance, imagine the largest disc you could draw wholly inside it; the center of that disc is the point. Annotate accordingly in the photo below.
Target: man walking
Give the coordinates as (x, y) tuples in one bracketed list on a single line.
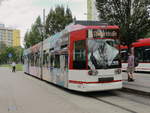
[(130, 68), (13, 67)]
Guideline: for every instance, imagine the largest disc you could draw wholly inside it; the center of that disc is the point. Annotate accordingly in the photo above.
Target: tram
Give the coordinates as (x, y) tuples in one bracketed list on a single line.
[(85, 57), (142, 53)]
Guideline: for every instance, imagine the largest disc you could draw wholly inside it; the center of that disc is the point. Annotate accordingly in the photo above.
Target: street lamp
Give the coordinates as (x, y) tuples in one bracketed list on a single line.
[(41, 30)]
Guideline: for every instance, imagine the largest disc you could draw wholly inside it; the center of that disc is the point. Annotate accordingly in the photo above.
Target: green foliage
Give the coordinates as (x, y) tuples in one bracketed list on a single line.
[(147, 34), (19, 67), (57, 20), (130, 15), (16, 54), (33, 36)]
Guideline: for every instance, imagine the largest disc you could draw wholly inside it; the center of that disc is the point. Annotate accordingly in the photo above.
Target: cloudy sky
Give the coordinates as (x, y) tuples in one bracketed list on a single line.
[(21, 14)]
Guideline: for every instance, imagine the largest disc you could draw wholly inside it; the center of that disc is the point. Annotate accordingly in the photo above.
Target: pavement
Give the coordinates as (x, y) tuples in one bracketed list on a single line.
[(24, 94), (20, 93), (141, 85)]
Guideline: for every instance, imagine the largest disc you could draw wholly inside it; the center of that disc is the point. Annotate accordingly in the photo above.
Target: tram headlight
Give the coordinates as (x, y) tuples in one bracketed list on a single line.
[(92, 73), (117, 71)]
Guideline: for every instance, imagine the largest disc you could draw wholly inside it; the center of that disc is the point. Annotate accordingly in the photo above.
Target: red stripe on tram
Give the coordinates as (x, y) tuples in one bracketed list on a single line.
[(82, 82)]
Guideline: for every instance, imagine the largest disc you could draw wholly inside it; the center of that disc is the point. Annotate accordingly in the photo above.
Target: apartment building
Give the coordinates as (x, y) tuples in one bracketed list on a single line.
[(9, 37), (16, 37)]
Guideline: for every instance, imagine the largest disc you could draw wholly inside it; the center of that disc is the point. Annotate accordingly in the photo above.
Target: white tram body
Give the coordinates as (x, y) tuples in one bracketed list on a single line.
[(82, 57)]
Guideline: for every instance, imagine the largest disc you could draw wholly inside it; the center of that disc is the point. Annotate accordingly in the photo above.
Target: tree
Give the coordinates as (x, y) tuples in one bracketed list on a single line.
[(68, 16), (16, 53), (130, 15), (33, 36), (26, 39), (57, 20), (147, 35)]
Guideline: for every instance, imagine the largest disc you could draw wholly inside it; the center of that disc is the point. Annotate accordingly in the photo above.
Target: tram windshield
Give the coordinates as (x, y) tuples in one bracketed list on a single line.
[(103, 53)]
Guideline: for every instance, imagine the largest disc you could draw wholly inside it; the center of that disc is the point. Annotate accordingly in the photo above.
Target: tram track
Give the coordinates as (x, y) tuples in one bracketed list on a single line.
[(121, 96), (126, 102), (115, 105), (140, 99), (118, 100)]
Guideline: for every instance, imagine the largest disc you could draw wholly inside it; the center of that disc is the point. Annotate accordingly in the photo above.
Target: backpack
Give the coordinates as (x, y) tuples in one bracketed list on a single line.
[(136, 62)]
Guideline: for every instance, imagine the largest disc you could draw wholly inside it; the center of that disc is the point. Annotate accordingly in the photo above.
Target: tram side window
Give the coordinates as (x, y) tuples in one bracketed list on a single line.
[(79, 55), (37, 58), (124, 55), (146, 54), (45, 59), (52, 61), (32, 59), (139, 54), (57, 61)]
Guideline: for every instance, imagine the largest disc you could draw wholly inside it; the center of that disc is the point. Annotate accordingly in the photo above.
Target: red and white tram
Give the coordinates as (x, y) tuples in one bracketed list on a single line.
[(142, 53), (85, 56)]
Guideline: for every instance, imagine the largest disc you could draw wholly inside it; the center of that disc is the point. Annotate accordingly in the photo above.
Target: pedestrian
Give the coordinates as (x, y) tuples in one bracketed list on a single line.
[(131, 67), (13, 67)]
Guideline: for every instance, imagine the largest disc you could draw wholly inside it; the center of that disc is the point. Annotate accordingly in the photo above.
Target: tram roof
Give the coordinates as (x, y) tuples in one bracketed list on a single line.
[(90, 23), (139, 43), (142, 42), (81, 24), (75, 26), (26, 51)]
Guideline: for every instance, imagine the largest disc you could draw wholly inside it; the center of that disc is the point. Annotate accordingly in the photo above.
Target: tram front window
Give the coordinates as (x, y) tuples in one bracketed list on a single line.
[(103, 54)]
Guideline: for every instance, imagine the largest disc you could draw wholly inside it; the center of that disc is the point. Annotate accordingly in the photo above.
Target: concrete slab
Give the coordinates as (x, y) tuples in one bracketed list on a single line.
[(141, 84)]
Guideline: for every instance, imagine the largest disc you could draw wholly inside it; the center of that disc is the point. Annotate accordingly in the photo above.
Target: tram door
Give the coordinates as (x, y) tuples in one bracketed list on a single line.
[(64, 69)]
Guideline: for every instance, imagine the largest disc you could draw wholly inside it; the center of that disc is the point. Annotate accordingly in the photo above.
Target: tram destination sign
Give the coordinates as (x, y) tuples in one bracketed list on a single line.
[(102, 33)]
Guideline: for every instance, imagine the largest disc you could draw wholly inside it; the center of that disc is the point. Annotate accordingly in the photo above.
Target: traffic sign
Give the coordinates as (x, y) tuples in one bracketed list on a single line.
[(9, 55)]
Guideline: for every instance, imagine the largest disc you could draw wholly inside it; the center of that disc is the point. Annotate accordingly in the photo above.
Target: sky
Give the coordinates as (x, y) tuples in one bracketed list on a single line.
[(21, 14)]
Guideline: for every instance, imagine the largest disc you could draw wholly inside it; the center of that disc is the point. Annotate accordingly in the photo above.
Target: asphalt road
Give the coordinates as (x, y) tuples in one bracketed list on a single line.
[(20, 93)]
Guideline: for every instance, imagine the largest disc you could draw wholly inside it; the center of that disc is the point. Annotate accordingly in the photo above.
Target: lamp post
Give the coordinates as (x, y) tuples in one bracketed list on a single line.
[(42, 32), (41, 29)]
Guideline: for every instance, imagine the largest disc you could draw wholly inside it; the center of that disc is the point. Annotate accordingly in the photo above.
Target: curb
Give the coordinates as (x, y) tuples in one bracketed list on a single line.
[(135, 91)]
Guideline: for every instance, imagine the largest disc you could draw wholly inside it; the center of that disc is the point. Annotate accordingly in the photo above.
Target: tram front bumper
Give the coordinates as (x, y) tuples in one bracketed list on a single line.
[(96, 86)]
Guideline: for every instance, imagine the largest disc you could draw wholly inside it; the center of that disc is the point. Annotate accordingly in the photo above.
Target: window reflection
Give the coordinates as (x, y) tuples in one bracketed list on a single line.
[(103, 53)]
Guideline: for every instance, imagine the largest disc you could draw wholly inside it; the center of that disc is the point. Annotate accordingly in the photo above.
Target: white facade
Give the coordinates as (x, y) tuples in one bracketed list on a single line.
[(6, 36)]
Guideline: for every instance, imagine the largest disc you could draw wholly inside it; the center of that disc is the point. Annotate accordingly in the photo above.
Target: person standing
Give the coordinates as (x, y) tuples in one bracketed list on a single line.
[(131, 67), (13, 67)]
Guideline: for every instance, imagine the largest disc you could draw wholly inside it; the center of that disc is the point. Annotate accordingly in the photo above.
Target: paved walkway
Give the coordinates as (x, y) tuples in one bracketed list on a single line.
[(22, 94), (140, 85)]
